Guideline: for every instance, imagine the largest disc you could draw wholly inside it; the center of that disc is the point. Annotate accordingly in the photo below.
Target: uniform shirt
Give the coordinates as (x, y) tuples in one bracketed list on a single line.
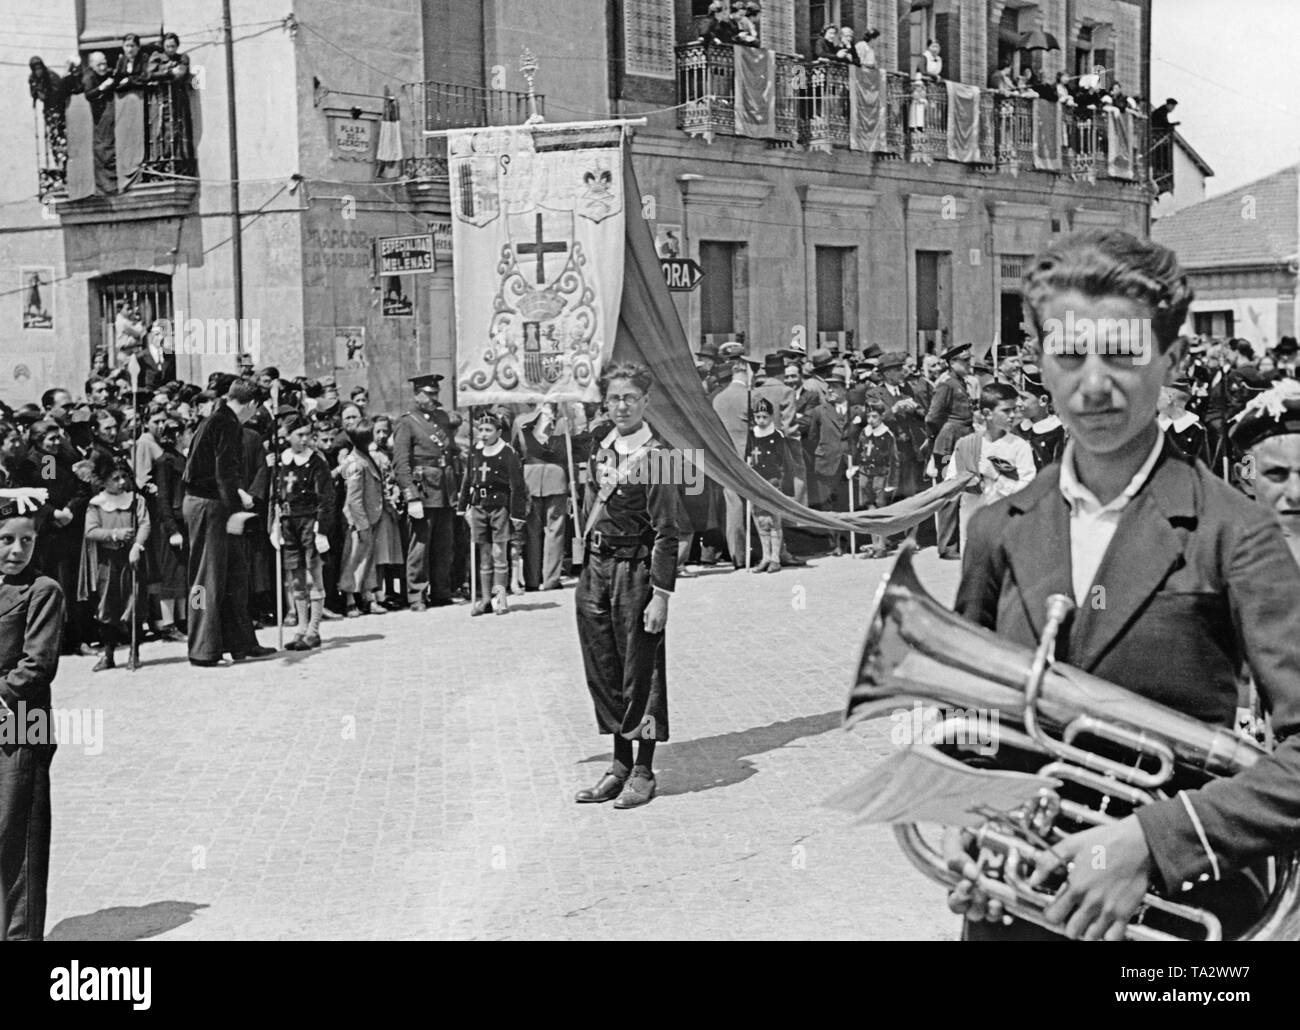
[(1093, 524), (424, 458), (767, 454), (495, 480), (877, 453), (1046, 438), (306, 487), (641, 502), (1186, 433)]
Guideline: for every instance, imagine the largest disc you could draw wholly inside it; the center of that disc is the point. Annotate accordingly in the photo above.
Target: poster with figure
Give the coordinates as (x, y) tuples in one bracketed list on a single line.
[(538, 237), (350, 347), (37, 298)]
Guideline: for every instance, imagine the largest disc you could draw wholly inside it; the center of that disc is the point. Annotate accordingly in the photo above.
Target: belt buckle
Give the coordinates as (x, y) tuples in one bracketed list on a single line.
[(596, 540)]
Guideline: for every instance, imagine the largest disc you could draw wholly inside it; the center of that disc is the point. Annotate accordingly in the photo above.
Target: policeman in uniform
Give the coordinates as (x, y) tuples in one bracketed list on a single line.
[(949, 419), (424, 452)]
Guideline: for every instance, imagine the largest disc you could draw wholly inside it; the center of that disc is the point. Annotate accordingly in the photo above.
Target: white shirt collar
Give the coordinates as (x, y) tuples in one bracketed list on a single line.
[(763, 431), (1180, 424), (628, 444), (492, 450), (1046, 425), (1077, 494), (113, 502), (289, 458), (879, 430)]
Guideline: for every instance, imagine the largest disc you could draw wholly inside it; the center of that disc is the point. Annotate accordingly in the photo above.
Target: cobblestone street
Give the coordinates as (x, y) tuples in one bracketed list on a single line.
[(413, 780)]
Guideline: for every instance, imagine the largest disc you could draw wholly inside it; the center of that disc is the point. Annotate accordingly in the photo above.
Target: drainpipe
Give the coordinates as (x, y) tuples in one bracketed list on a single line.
[(236, 219)]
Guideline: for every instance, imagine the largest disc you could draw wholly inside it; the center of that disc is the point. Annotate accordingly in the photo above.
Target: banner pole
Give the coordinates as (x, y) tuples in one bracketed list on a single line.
[(853, 507), (273, 513), (576, 552), (749, 517)]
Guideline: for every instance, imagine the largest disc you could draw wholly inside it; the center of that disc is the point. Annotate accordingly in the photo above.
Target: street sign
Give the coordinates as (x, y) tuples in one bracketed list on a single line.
[(403, 255), (681, 274)]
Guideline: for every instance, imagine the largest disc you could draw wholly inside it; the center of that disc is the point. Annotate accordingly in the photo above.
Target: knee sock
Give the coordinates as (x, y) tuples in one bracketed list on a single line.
[(168, 609), (778, 545), (622, 750), (315, 608), (645, 753), (301, 608)]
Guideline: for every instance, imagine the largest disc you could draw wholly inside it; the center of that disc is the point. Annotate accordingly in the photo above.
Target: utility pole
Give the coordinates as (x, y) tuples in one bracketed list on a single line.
[(236, 218)]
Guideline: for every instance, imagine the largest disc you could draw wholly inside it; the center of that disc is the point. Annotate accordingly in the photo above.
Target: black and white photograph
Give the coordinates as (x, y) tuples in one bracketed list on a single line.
[(736, 470)]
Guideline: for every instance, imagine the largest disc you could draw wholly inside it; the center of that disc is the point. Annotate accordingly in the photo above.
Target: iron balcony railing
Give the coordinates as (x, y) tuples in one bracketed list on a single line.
[(168, 146), (706, 92), (813, 109), (448, 105)]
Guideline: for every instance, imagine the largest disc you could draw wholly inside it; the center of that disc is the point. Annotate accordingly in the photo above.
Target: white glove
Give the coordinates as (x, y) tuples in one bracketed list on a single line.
[(850, 472), (415, 509), (276, 539), (176, 540), (322, 543), (246, 499), (29, 498)]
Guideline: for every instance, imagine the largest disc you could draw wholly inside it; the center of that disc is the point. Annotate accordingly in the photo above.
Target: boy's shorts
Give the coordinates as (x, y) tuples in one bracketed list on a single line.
[(298, 541)]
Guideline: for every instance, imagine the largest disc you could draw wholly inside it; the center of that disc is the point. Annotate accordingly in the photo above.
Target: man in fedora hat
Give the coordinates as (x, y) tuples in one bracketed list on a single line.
[(905, 417), (828, 438), (732, 406)]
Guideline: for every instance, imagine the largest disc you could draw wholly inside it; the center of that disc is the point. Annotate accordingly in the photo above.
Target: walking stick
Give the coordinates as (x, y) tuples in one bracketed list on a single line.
[(273, 515), (133, 658)]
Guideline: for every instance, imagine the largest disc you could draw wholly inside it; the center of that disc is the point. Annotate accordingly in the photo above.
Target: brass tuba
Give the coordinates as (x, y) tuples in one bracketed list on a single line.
[(1111, 750)]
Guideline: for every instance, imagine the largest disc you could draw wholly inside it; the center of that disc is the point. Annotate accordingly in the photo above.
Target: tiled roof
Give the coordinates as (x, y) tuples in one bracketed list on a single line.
[(1253, 225)]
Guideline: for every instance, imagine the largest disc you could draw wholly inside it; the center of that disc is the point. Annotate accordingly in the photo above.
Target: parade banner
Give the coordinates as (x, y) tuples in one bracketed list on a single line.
[(538, 236), (963, 122), (650, 332), (1047, 135), (867, 109), (1119, 144), (755, 92)]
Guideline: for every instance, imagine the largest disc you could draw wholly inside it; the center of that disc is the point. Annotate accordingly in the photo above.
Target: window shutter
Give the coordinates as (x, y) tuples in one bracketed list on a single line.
[(649, 36), (776, 26), (1127, 42), (883, 15)]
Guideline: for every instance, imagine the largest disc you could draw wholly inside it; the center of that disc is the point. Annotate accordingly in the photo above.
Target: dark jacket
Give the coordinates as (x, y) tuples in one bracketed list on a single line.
[(31, 623), (949, 418), (1198, 580), (215, 468), (827, 438), (424, 454)]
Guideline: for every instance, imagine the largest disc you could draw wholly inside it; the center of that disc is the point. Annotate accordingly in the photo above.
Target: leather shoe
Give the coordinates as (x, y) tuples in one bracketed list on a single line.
[(417, 606), (607, 788), (639, 789), (257, 652)]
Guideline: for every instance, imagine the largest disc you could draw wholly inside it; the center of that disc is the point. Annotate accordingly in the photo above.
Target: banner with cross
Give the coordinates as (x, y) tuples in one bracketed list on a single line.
[(537, 239)]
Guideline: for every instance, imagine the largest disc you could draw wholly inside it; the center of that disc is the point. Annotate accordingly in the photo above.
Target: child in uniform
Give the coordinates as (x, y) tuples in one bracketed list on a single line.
[(493, 499), (31, 624), (306, 500), (767, 456), (876, 468)]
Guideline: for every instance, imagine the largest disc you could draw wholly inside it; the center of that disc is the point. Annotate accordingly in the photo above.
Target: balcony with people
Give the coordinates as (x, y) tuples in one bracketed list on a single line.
[(117, 136), (1085, 128)]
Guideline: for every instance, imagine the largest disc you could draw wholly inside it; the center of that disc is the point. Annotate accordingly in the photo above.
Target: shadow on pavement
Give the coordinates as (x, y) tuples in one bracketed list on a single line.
[(125, 923), (711, 762)]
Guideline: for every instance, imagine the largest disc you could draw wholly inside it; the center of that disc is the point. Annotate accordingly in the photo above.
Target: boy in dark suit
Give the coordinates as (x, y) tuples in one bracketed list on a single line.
[(1178, 581), (31, 623)]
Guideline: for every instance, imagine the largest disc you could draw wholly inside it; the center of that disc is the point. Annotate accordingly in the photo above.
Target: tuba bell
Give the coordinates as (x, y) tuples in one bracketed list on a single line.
[(1110, 750)]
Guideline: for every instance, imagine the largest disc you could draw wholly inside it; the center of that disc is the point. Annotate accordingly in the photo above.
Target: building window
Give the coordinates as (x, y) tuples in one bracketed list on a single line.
[(918, 30), (147, 293), (649, 36), (822, 13), (933, 299), (837, 293), (1092, 50), (1218, 324), (724, 290)]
